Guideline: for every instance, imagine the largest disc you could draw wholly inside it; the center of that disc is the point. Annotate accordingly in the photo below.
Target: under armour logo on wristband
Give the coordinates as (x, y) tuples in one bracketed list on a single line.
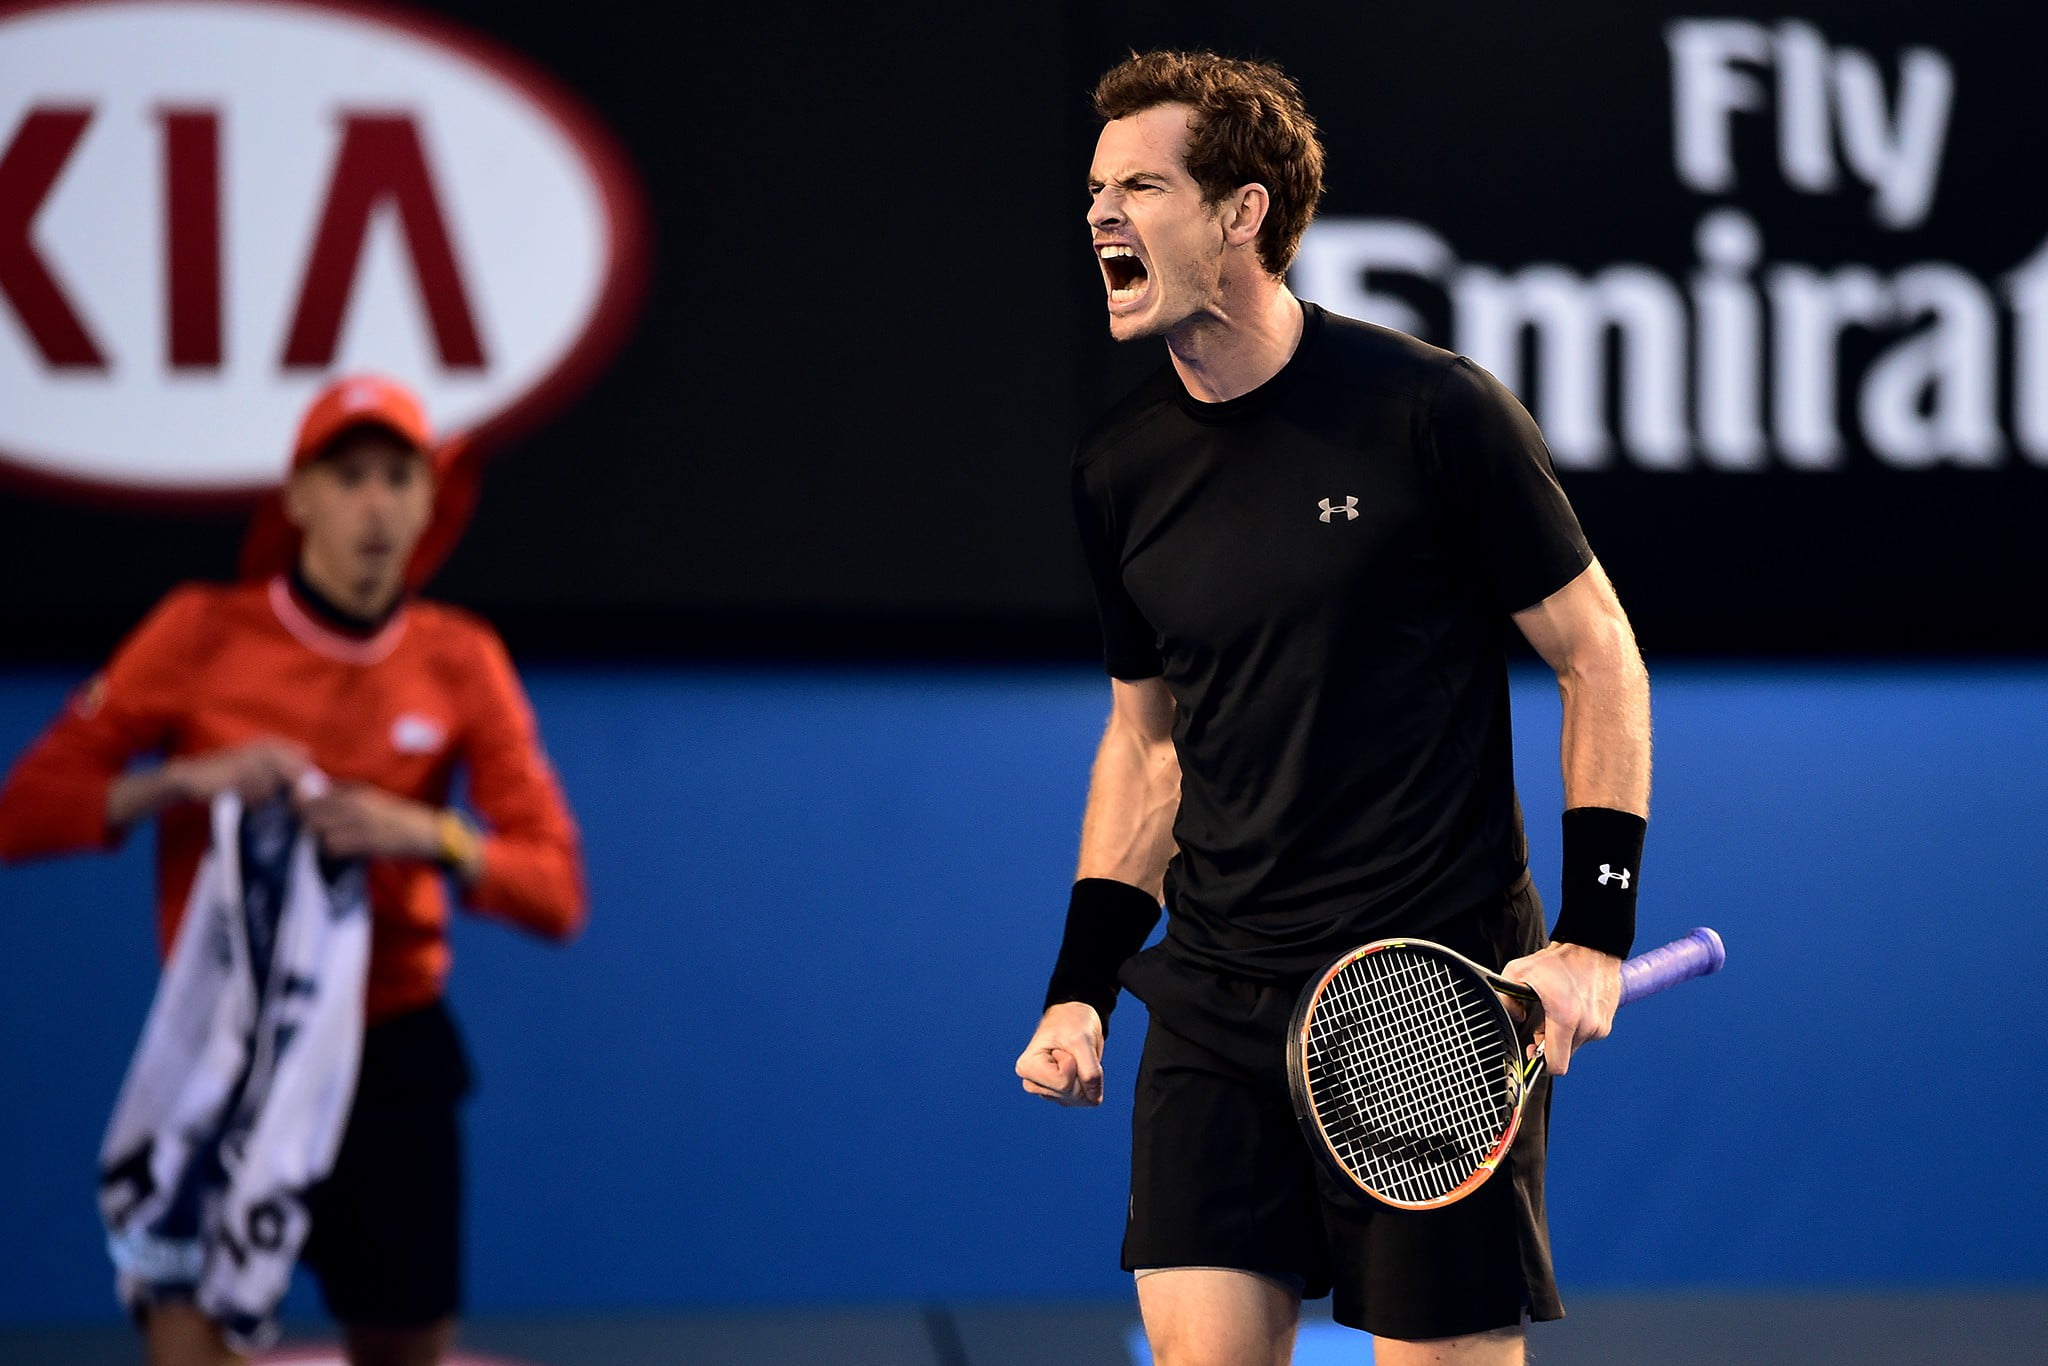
[(1608, 874), (1349, 509)]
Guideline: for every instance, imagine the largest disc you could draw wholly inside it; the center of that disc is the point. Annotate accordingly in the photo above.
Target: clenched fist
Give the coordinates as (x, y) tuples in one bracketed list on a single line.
[(1063, 1061)]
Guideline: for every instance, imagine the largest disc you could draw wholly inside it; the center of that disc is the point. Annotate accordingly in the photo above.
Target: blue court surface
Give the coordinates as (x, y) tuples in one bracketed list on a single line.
[(763, 1109), (1691, 1329)]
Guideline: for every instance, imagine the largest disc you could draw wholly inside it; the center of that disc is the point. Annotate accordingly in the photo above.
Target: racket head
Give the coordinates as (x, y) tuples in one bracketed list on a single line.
[(1407, 1072)]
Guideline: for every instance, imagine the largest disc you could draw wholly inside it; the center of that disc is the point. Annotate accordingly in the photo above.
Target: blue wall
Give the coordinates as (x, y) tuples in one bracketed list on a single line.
[(777, 1067)]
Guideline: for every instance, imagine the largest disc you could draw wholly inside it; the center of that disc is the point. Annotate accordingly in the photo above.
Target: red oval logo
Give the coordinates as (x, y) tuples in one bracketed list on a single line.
[(208, 208)]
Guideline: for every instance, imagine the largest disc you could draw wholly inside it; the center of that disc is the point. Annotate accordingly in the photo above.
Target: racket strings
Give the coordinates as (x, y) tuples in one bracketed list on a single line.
[(1408, 1068)]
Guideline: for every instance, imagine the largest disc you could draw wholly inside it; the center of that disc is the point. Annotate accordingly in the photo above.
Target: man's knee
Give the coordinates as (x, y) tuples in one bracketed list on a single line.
[(1186, 1345), (1210, 1316), (1501, 1347)]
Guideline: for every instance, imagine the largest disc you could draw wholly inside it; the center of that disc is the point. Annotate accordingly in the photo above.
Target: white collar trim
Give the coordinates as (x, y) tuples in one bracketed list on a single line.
[(320, 639)]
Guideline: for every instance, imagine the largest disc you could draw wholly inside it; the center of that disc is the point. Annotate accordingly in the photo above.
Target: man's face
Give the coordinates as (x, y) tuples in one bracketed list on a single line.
[(1160, 248), (361, 508)]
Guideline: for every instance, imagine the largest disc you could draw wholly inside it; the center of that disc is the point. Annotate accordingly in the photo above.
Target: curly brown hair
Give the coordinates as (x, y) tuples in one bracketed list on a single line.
[(1249, 125)]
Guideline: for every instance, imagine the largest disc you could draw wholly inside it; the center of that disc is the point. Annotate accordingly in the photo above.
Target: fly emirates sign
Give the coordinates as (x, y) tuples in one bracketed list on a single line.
[(1736, 362), (208, 208)]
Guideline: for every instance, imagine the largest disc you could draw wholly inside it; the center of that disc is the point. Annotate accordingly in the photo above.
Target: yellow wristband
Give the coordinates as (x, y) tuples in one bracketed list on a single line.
[(461, 846)]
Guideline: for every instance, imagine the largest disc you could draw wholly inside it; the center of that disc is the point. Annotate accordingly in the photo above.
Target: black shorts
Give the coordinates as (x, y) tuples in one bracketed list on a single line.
[(386, 1242), (1221, 1175)]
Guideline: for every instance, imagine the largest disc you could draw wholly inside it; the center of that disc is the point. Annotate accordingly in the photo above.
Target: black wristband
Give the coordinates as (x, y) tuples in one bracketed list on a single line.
[(1603, 855), (1107, 922)]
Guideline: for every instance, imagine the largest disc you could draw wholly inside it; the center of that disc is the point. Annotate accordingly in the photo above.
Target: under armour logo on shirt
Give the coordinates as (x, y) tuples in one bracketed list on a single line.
[(1607, 874), (1349, 509)]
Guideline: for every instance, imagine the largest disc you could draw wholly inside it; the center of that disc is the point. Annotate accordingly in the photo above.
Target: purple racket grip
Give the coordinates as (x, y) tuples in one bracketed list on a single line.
[(1696, 955)]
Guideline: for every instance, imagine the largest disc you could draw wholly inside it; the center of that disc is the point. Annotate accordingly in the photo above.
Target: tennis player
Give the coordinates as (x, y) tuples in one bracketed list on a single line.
[(324, 658), (1308, 538)]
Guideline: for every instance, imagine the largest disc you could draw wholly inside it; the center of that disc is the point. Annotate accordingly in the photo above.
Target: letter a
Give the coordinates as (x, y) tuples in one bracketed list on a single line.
[(381, 159)]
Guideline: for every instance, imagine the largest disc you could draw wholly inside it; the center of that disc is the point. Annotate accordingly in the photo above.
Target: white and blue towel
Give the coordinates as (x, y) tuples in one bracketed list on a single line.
[(236, 1099)]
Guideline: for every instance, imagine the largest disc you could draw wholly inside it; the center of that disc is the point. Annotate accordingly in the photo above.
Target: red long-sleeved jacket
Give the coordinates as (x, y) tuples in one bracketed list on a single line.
[(217, 666)]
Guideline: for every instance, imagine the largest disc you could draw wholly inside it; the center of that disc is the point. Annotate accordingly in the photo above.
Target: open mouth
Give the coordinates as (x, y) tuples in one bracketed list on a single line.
[(1124, 273)]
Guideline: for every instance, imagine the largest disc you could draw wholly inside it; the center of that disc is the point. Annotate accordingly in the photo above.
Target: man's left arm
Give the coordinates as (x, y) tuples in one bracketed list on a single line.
[(1582, 633), (530, 852)]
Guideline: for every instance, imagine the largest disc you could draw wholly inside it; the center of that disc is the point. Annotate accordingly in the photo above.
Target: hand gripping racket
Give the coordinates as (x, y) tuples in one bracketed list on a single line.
[(1408, 1073)]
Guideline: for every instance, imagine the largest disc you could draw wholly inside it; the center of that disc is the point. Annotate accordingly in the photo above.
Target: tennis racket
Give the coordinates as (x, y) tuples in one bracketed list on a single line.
[(1408, 1073)]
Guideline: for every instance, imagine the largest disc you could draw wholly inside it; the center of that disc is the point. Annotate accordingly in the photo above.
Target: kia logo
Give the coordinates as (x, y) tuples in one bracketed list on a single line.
[(207, 209)]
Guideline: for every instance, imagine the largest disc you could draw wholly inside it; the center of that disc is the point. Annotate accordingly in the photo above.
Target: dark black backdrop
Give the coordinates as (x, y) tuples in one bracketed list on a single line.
[(873, 330)]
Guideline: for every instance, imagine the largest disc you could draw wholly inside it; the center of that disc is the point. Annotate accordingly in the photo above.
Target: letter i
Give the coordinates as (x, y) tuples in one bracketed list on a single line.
[(192, 250), (1731, 343)]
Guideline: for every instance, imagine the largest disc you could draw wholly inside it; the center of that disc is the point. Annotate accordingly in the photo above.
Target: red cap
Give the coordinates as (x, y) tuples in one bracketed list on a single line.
[(358, 401), (272, 543)]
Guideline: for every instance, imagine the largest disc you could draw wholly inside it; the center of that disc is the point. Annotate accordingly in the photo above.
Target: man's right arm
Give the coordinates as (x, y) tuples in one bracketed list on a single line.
[(69, 791), (1134, 790), (255, 771), (1127, 839)]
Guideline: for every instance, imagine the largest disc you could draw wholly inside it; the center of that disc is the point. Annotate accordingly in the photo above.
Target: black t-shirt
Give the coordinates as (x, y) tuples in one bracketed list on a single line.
[(1323, 571)]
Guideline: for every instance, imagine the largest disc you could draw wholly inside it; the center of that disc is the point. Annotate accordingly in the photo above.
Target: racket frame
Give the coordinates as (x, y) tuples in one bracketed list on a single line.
[(1522, 1079)]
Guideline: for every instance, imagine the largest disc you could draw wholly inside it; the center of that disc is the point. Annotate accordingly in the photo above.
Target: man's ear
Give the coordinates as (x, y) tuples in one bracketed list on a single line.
[(1245, 214)]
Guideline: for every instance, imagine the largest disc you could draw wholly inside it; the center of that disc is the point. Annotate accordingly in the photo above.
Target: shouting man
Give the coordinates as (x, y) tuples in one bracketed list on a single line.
[(1308, 536)]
